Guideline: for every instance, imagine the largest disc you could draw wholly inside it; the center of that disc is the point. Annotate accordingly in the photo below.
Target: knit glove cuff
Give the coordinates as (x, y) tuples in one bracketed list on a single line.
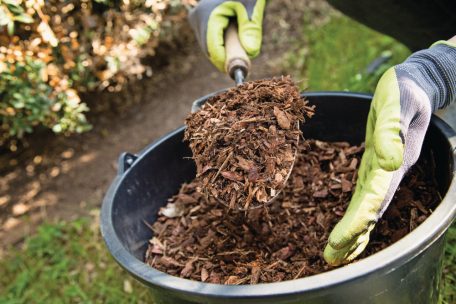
[(434, 71)]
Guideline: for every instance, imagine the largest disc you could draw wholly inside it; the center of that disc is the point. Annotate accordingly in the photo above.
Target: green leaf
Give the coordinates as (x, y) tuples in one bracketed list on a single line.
[(4, 18), (10, 28), (14, 7), (10, 2), (20, 284), (57, 128), (24, 18), (141, 35)]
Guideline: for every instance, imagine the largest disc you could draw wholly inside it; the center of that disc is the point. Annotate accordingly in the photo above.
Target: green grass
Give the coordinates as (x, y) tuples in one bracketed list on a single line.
[(66, 262), (335, 56), (448, 284)]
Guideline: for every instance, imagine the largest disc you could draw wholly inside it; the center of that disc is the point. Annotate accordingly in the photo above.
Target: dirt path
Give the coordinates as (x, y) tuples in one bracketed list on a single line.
[(64, 178)]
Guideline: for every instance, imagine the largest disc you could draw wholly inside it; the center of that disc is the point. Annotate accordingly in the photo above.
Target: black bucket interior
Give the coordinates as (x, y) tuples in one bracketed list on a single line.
[(161, 168)]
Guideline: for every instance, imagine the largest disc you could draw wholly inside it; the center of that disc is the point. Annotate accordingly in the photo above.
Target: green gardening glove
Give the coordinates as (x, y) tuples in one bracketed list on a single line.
[(399, 116), (211, 17)]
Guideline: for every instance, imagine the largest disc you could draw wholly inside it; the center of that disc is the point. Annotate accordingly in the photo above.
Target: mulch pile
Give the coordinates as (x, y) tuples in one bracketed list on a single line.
[(244, 141), (195, 237)]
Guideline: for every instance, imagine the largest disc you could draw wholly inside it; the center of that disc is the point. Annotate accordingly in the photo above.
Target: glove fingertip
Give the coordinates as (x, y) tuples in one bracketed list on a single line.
[(251, 43), (390, 155), (250, 37), (218, 60), (336, 256), (331, 257), (390, 163)]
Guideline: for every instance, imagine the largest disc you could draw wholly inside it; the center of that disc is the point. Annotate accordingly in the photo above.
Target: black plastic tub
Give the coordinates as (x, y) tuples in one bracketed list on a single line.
[(408, 271)]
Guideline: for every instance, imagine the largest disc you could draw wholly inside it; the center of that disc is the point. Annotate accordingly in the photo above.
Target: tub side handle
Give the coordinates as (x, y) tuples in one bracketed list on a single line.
[(126, 160)]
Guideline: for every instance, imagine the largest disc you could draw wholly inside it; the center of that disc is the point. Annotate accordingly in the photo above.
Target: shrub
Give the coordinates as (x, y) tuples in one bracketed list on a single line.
[(28, 99), (51, 50)]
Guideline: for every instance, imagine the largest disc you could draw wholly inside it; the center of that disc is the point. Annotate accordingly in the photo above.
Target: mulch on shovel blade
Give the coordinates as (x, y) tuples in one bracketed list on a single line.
[(244, 140), (195, 237)]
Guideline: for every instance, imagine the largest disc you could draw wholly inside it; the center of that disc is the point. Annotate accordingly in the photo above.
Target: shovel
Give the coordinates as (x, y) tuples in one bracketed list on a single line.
[(237, 62), (237, 66)]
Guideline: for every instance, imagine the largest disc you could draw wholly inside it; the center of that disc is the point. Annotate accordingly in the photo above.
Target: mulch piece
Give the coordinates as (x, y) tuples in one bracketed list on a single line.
[(197, 238), (244, 141)]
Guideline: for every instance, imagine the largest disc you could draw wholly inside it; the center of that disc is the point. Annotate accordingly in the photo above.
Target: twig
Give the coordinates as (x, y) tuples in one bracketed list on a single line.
[(300, 271), (225, 162), (148, 225)]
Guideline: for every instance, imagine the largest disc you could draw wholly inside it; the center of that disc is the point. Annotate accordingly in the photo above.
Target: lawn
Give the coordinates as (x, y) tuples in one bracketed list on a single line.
[(342, 55), (67, 262)]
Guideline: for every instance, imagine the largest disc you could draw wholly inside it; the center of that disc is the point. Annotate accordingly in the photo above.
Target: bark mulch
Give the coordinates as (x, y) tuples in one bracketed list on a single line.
[(195, 237), (244, 141)]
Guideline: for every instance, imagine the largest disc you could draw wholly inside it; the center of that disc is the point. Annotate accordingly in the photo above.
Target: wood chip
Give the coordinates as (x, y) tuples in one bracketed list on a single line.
[(282, 119), (204, 274)]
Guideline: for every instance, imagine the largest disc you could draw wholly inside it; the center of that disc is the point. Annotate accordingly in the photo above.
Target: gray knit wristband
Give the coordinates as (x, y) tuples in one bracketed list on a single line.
[(433, 70)]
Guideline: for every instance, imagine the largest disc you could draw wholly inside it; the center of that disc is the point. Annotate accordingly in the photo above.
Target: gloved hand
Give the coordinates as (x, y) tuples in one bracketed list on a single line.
[(211, 17), (399, 116)]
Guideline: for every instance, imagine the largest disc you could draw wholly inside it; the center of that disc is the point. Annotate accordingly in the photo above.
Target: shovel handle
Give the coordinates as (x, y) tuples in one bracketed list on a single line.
[(236, 57)]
